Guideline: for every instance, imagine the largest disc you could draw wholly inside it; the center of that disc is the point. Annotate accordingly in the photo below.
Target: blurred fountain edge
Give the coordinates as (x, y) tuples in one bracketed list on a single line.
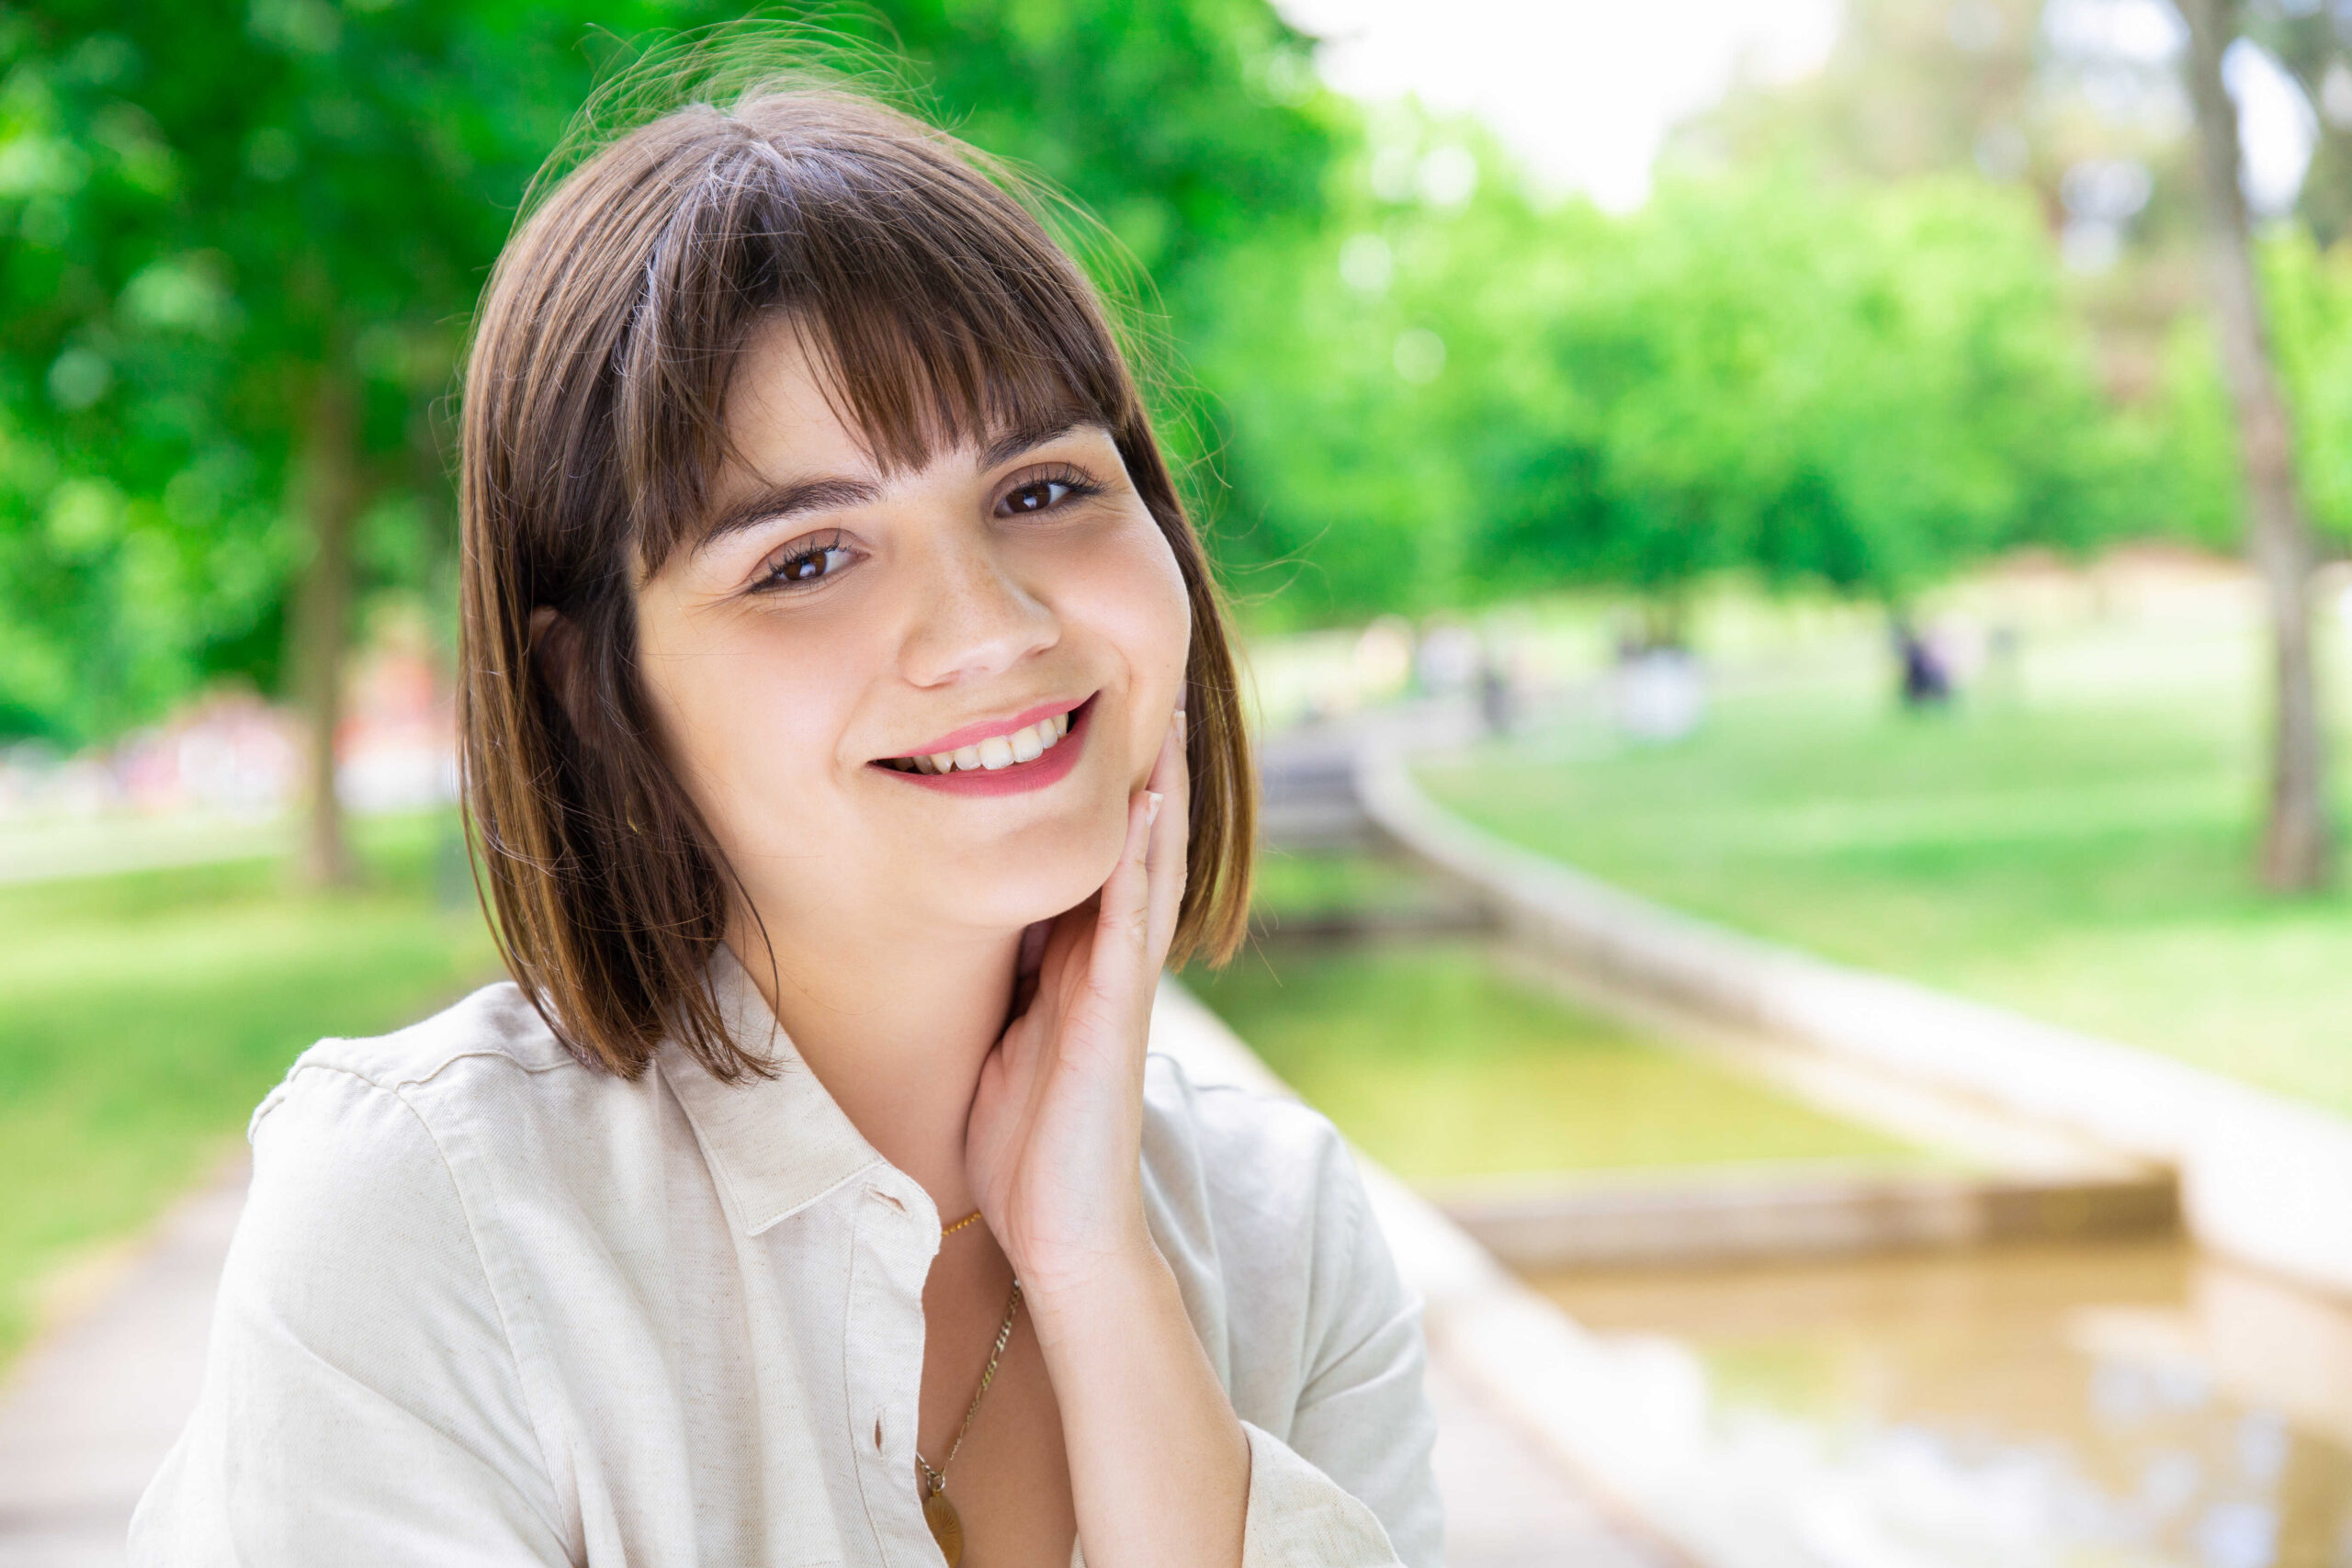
[(2264, 1179)]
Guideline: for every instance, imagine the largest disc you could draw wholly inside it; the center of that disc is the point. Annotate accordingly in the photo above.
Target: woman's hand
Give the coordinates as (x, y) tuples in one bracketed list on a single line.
[(1159, 1463), (1053, 1148)]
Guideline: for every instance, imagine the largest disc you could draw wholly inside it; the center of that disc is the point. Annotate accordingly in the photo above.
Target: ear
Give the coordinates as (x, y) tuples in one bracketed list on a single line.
[(555, 656)]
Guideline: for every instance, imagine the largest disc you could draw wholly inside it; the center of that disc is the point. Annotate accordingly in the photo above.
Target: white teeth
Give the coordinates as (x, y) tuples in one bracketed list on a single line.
[(997, 751)]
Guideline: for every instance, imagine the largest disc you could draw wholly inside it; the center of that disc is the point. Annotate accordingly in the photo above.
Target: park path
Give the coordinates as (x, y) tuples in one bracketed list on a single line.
[(88, 1414), (109, 846)]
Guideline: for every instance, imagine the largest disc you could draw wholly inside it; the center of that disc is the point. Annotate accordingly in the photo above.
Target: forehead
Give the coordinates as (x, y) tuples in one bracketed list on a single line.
[(786, 411)]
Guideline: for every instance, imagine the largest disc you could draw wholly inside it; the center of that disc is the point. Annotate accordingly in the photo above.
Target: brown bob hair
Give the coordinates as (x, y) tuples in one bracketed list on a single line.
[(593, 424)]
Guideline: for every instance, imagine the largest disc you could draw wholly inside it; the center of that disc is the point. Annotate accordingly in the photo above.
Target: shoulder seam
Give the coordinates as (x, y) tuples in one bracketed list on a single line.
[(416, 1079)]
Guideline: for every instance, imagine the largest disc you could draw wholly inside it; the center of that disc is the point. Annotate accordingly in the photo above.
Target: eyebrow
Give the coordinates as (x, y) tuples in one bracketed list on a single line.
[(779, 504)]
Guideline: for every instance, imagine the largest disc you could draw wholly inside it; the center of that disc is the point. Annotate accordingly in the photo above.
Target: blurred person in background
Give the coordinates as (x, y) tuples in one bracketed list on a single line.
[(851, 736)]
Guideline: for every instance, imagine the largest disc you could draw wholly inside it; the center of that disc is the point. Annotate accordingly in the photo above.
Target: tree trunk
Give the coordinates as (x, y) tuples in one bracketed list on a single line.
[(328, 500), (2296, 851)]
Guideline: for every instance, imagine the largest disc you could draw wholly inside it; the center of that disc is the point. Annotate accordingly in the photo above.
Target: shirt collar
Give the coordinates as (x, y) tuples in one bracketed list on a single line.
[(774, 1145)]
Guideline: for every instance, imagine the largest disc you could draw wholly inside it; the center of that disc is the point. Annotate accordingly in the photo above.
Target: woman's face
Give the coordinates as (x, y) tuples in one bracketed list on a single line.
[(846, 633)]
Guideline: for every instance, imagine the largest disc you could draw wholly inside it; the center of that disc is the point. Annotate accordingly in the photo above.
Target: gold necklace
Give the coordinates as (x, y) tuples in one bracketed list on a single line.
[(947, 1528)]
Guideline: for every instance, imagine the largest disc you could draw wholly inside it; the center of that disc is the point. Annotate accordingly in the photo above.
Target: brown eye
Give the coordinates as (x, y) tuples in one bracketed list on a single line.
[(1039, 495), (810, 565)]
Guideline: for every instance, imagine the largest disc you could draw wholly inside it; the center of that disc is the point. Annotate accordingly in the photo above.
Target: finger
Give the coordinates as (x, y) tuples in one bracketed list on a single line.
[(1116, 968), (1066, 945), (1171, 837)]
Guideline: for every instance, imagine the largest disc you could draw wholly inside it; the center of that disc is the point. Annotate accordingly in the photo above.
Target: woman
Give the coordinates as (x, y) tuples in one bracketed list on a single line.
[(846, 699)]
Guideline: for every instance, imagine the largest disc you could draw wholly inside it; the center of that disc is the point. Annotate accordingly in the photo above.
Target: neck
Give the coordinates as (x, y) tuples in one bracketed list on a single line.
[(896, 1027)]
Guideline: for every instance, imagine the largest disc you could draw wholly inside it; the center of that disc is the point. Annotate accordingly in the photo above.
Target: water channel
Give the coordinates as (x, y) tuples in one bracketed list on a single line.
[(2107, 1404), (2094, 1405)]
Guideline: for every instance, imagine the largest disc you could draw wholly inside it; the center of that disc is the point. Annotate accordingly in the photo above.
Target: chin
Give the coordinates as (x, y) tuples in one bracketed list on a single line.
[(1043, 874)]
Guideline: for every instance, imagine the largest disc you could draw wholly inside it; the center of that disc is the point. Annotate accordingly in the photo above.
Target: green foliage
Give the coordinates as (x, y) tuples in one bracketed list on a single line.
[(2189, 434), (1865, 386), (1185, 125), (217, 217), (1358, 364), (2191, 439), (2308, 294), (1862, 386)]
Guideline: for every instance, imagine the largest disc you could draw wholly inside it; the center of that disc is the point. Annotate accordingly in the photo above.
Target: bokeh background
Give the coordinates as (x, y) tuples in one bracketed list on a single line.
[(1849, 493)]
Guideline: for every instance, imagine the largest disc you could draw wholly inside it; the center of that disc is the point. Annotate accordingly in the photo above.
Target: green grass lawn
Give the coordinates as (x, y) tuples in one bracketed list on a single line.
[(1440, 1066), (2077, 845), (142, 1017)]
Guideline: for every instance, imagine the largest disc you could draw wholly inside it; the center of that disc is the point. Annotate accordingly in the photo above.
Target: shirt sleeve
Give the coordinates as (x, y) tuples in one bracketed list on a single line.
[(1299, 1517), (1351, 1482), (361, 1402)]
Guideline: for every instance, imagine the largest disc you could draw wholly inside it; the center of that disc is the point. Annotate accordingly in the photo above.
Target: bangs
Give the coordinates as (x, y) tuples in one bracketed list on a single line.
[(938, 312)]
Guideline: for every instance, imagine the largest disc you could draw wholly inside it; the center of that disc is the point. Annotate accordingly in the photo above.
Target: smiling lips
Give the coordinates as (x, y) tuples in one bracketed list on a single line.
[(1041, 749), (1024, 745)]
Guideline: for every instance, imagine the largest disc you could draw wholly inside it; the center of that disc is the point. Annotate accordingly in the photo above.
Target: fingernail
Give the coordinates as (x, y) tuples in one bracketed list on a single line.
[(1184, 725), (1152, 806)]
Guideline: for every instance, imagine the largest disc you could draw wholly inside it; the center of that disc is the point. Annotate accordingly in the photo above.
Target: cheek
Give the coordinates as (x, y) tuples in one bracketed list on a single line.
[(748, 726), (1157, 652), (1135, 604)]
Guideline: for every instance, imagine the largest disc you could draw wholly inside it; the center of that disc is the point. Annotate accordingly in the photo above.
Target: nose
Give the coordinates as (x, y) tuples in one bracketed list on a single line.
[(972, 617)]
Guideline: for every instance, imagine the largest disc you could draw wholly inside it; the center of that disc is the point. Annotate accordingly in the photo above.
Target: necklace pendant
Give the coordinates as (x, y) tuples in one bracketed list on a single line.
[(946, 1528)]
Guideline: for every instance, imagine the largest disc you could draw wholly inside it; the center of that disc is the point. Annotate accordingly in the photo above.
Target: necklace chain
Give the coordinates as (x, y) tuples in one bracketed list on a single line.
[(935, 1478), (969, 1219)]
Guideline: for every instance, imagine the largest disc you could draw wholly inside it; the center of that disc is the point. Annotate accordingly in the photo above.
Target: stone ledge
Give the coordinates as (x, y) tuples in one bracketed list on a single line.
[(1753, 1213), (2263, 1179)]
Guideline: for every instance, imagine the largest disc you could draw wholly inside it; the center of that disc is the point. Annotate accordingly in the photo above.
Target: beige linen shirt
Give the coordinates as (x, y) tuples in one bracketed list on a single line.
[(486, 1306)]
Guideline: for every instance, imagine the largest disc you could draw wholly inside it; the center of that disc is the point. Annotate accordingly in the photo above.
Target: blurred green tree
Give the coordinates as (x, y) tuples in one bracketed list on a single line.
[(2297, 850), (1863, 387), (242, 240), (2040, 96), (245, 240), (2130, 144), (1867, 385)]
